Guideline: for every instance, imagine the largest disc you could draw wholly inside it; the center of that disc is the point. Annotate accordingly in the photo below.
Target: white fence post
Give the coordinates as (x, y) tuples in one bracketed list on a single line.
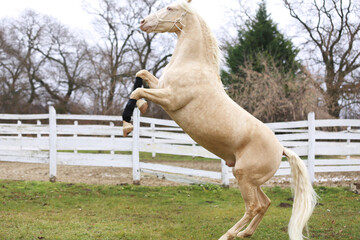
[(348, 141), (52, 143), (38, 135), (135, 147), (224, 174), (112, 125), (19, 135), (76, 123), (152, 125), (311, 146), (38, 123), (19, 125)]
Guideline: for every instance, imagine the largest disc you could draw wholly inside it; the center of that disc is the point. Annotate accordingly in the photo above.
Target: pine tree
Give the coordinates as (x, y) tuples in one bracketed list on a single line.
[(261, 37)]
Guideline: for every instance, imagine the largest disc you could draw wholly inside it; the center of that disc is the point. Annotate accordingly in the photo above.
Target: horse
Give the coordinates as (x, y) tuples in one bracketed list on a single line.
[(191, 92)]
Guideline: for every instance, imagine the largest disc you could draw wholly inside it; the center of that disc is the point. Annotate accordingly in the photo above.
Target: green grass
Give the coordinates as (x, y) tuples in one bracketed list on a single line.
[(144, 156), (147, 156), (41, 210)]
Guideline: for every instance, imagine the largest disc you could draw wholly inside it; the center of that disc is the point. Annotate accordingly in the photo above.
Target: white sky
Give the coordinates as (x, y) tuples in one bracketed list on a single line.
[(67, 11), (71, 12)]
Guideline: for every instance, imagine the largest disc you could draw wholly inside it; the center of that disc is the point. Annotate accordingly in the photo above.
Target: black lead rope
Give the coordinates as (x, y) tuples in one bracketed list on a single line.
[(131, 104)]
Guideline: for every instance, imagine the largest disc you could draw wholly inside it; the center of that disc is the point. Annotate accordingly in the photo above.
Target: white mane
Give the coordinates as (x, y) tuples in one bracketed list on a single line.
[(214, 45)]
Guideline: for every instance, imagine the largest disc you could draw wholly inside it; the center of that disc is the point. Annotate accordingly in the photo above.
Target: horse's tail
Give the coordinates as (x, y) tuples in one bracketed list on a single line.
[(305, 197)]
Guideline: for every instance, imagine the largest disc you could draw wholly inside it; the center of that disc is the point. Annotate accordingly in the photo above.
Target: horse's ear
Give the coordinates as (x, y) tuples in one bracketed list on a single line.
[(189, 1)]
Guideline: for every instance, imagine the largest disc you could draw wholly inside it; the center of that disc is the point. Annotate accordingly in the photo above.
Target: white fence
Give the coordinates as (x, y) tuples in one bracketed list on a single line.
[(97, 141)]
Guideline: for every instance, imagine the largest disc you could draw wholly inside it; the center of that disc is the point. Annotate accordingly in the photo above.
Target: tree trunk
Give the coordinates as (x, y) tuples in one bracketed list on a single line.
[(110, 100), (332, 102)]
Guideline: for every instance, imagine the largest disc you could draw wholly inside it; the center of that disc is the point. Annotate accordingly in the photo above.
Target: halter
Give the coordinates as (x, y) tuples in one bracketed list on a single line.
[(176, 21)]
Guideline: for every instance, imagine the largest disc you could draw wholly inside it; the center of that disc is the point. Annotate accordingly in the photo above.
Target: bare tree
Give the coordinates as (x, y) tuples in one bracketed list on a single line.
[(13, 62), (11, 69), (110, 24), (263, 95), (333, 29), (29, 27), (67, 64), (40, 60), (124, 50)]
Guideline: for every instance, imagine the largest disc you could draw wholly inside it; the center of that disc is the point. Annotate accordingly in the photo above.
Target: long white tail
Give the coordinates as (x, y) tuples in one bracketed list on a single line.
[(305, 197)]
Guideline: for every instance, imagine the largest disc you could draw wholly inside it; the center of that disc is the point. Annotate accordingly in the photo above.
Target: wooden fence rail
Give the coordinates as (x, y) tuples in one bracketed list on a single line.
[(326, 145)]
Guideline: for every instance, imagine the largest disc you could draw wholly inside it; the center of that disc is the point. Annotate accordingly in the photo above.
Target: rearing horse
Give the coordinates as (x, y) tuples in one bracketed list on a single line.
[(191, 92)]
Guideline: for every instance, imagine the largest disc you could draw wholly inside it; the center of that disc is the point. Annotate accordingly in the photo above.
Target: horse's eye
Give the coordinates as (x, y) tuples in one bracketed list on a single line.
[(169, 9)]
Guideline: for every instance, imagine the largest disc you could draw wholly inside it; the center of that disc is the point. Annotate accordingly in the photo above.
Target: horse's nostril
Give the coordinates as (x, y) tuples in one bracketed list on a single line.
[(142, 21)]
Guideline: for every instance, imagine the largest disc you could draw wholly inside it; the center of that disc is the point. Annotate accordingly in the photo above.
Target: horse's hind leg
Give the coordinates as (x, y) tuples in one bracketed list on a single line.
[(265, 203), (253, 206)]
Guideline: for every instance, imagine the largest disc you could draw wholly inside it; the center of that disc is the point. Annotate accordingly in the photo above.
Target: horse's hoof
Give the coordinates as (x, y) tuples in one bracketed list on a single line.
[(142, 105), (226, 237), (142, 73), (127, 128), (243, 234)]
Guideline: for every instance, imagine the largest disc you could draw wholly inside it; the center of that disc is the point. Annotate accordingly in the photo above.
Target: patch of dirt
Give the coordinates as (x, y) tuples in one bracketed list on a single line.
[(285, 205), (76, 174), (335, 179), (113, 176), (193, 164)]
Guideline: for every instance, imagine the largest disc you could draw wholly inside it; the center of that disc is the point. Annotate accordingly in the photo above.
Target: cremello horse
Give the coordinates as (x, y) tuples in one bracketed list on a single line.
[(191, 92)]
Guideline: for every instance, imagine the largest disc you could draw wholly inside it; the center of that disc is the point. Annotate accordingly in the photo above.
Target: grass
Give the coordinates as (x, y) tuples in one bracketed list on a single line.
[(41, 210), (147, 156), (144, 156)]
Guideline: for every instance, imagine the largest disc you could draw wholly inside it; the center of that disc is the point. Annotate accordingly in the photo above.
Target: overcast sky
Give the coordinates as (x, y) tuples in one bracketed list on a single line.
[(71, 12)]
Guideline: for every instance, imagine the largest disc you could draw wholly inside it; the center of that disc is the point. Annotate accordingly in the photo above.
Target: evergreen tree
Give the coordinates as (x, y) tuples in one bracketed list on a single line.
[(261, 37)]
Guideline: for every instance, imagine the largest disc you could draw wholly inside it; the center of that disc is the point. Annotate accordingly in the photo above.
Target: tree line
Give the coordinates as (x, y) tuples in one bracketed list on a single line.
[(43, 60), (267, 77)]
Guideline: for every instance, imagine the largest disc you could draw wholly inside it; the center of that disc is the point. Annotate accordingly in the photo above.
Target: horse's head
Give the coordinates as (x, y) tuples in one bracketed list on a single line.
[(168, 19)]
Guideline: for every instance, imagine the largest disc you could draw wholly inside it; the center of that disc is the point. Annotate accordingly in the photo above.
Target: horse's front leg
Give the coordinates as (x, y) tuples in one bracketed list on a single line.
[(160, 96), (152, 81)]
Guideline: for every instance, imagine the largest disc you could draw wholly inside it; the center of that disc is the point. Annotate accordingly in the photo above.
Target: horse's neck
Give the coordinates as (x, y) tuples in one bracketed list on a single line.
[(193, 44)]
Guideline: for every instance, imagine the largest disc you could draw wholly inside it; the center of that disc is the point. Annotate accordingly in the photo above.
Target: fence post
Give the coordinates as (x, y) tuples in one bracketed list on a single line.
[(112, 136), (38, 135), (224, 174), (76, 123), (152, 125), (348, 141), (52, 143), (19, 135), (135, 147), (311, 146), (19, 125)]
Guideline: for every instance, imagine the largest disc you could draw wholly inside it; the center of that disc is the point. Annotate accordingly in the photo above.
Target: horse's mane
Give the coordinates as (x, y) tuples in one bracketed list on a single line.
[(214, 45)]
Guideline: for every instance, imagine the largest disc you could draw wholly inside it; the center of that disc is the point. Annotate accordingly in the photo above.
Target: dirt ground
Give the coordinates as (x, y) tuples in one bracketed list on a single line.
[(114, 176)]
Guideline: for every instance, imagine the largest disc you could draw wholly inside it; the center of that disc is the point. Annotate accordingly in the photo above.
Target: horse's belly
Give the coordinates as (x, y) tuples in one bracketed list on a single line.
[(221, 149)]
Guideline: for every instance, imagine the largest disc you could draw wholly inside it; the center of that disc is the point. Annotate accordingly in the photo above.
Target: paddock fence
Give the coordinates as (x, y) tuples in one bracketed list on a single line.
[(94, 140)]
